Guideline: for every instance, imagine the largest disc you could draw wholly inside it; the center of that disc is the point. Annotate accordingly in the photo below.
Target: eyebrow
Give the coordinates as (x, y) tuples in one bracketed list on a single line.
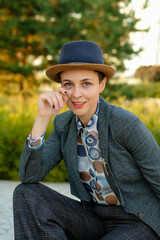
[(83, 80)]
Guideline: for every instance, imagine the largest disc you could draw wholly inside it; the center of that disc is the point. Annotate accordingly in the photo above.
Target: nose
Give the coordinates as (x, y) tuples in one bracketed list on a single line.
[(76, 92)]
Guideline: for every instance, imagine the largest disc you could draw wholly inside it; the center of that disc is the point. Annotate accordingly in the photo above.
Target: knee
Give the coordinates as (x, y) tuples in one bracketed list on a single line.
[(18, 189), (22, 189)]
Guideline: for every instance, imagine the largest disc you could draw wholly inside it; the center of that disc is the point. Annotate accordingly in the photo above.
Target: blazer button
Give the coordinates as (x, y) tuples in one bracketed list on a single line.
[(141, 215)]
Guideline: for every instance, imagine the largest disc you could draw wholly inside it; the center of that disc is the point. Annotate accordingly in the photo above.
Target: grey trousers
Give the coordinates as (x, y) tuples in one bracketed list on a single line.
[(42, 213)]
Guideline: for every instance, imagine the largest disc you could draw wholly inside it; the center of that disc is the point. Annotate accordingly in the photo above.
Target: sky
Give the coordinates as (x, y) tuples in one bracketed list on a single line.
[(150, 17)]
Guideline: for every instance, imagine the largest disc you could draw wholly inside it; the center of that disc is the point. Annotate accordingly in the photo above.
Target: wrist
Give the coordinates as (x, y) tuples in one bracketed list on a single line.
[(43, 119), (34, 143), (40, 126)]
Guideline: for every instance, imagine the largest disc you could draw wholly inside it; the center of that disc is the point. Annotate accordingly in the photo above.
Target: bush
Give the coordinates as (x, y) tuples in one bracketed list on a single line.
[(16, 123), (114, 91), (16, 119), (148, 73)]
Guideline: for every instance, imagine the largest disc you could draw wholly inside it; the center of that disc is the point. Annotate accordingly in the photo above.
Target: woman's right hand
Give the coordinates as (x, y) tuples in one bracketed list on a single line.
[(50, 103), (46, 110)]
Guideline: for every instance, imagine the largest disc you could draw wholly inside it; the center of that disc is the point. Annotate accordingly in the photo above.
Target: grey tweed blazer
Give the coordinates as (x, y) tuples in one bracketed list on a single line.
[(130, 151)]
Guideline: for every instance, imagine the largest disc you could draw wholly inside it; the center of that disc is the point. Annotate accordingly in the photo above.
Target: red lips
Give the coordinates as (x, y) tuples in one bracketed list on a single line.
[(78, 104)]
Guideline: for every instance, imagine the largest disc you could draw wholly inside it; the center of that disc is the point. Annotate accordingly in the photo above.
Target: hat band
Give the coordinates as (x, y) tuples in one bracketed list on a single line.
[(77, 63)]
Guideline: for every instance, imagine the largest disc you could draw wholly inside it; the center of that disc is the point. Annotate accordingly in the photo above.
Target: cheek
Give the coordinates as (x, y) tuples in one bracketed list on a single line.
[(69, 104), (92, 93)]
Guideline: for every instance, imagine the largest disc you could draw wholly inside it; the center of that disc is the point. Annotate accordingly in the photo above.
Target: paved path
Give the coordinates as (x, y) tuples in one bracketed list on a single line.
[(6, 210)]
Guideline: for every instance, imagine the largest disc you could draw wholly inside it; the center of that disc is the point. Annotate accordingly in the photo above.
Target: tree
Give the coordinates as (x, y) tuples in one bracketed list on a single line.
[(32, 33), (24, 31)]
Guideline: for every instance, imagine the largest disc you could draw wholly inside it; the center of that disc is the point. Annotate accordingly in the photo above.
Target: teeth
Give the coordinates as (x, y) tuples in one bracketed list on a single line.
[(78, 103)]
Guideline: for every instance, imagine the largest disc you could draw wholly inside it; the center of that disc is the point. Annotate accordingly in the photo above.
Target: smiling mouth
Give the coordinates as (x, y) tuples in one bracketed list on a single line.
[(78, 104)]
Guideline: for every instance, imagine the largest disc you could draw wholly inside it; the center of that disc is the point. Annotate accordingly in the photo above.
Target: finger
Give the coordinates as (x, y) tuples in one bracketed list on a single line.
[(51, 101), (65, 98), (61, 90), (64, 95), (57, 100)]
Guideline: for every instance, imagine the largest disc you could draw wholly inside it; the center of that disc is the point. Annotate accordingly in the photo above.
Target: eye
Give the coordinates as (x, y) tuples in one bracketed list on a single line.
[(86, 83), (68, 84)]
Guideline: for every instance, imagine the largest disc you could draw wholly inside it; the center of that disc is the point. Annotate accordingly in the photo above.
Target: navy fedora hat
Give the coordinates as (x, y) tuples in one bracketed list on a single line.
[(80, 55)]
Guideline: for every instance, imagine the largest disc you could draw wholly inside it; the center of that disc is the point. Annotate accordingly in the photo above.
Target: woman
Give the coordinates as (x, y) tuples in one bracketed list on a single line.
[(112, 159)]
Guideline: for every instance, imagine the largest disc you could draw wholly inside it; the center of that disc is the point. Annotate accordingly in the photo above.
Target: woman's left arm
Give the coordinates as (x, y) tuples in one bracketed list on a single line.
[(141, 144)]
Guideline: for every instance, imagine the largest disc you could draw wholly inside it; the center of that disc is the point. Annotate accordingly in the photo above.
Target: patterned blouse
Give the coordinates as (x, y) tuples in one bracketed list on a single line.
[(90, 164)]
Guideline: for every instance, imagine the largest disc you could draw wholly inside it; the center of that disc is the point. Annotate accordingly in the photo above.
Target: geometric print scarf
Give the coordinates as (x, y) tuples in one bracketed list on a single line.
[(90, 165)]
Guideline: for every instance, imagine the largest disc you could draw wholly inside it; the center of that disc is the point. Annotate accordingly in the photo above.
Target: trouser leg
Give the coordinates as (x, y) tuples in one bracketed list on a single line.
[(41, 213), (131, 231), (120, 225)]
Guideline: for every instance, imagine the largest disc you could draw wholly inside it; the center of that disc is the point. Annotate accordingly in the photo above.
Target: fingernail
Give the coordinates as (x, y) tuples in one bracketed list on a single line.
[(53, 106), (65, 92)]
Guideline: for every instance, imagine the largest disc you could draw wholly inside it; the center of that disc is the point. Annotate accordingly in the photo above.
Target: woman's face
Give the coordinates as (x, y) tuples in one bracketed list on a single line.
[(83, 88)]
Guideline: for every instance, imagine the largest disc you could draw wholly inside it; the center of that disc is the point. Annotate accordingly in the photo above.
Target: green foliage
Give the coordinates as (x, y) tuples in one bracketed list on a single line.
[(114, 91), (148, 73), (16, 120), (58, 174), (15, 126), (32, 33)]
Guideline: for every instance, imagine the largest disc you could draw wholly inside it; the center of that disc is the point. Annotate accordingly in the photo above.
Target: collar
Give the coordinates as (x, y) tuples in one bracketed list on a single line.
[(92, 124)]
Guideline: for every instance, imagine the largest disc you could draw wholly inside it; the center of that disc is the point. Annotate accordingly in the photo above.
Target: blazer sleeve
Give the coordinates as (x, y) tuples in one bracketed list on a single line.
[(36, 164), (141, 144)]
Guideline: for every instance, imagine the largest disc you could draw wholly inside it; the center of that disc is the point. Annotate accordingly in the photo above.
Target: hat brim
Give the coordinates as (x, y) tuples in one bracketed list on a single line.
[(53, 71)]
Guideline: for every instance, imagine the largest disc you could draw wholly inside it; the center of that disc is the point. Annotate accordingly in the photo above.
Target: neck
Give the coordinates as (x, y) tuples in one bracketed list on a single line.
[(85, 119)]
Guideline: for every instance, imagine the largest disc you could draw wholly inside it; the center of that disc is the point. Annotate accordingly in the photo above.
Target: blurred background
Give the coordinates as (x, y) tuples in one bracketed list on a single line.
[(31, 36)]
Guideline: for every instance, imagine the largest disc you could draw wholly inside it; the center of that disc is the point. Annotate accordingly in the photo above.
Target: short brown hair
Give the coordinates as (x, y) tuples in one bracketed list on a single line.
[(100, 75)]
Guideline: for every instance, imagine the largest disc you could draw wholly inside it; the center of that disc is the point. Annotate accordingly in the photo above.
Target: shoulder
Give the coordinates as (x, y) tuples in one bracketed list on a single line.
[(124, 123), (116, 114), (120, 115), (119, 119)]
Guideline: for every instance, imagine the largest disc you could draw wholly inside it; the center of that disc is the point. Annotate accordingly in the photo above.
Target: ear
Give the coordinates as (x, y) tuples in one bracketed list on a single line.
[(102, 84)]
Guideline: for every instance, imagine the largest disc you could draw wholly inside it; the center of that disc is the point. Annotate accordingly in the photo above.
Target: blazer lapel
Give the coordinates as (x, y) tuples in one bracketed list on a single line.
[(71, 146), (103, 120), (103, 129), (77, 187)]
